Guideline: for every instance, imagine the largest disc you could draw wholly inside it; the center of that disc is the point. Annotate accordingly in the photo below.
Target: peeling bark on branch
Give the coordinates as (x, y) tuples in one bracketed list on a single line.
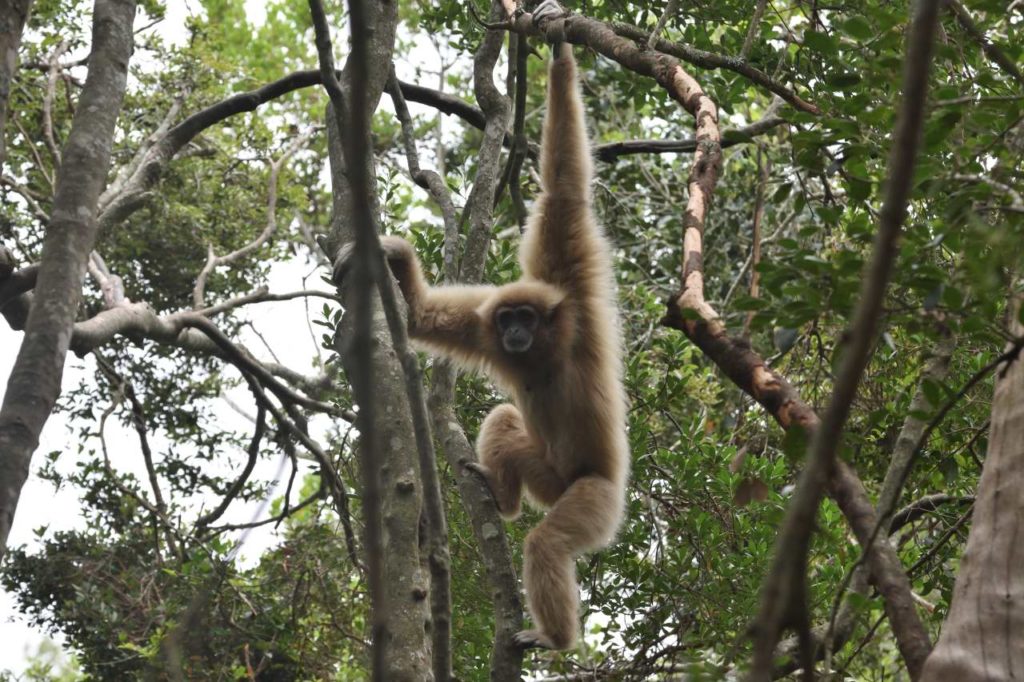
[(34, 384)]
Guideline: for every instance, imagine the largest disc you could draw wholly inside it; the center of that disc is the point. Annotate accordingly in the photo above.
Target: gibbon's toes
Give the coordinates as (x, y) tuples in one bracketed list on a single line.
[(532, 639), (343, 263)]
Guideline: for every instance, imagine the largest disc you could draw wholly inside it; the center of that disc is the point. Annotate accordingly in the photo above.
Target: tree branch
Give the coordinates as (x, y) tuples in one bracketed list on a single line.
[(710, 60), (991, 50), (784, 589)]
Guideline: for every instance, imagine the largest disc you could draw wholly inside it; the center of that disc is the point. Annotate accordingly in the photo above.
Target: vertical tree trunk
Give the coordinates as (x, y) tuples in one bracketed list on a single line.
[(983, 636), (406, 638), (13, 14), (34, 384)]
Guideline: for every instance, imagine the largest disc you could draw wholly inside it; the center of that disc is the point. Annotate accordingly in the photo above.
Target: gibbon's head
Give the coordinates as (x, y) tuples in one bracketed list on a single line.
[(524, 318), (516, 327)]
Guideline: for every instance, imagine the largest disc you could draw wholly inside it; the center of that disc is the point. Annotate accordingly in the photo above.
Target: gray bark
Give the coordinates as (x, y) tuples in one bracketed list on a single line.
[(13, 14), (34, 383), (406, 642), (983, 636), (488, 527)]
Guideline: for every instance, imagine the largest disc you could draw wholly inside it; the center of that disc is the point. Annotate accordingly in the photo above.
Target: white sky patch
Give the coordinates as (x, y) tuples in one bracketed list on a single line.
[(282, 324)]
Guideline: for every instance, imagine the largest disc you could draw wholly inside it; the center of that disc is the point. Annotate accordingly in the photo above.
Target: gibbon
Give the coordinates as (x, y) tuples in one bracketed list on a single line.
[(552, 341)]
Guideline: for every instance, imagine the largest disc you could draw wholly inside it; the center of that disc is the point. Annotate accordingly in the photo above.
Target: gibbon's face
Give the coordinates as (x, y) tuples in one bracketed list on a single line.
[(517, 327)]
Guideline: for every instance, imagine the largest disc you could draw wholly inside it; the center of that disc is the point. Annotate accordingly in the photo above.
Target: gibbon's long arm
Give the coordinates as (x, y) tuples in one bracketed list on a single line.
[(565, 162), (560, 241), (444, 318)]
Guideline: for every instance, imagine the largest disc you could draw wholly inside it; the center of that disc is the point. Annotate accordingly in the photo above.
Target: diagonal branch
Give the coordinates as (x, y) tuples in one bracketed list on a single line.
[(991, 50)]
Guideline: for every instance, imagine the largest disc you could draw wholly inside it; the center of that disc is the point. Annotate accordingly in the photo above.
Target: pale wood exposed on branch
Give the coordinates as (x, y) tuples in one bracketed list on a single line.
[(214, 261)]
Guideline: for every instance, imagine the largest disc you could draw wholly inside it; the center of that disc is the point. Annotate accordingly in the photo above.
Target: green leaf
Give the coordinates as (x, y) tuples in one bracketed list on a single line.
[(857, 28)]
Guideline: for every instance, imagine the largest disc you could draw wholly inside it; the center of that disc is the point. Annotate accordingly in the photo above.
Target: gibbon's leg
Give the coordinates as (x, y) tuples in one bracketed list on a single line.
[(444, 317), (585, 517), (509, 458)]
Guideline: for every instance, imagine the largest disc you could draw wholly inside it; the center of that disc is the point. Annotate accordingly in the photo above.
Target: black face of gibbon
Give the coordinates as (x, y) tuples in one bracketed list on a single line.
[(517, 327)]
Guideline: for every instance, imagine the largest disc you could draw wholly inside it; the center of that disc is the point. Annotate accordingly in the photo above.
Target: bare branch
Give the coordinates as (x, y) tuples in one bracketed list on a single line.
[(610, 151), (253, 452), (213, 261), (670, 10), (53, 70), (426, 178), (753, 29)]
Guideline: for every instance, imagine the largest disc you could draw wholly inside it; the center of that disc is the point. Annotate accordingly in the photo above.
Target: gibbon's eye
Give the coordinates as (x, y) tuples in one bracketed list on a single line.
[(505, 318), (527, 316)]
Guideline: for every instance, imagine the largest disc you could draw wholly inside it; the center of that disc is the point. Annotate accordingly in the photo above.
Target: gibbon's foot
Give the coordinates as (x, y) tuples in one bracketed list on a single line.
[(533, 639)]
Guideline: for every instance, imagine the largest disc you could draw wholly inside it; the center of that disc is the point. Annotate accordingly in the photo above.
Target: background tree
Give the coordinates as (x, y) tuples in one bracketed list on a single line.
[(220, 187)]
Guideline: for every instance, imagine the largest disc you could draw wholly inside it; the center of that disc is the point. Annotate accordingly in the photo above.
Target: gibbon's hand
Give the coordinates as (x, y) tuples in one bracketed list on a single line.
[(546, 12), (343, 263), (396, 250)]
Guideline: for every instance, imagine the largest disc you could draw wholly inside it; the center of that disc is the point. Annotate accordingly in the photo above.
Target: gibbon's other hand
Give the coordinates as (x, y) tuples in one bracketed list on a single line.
[(343, 263), (395, 250), (546, 11)]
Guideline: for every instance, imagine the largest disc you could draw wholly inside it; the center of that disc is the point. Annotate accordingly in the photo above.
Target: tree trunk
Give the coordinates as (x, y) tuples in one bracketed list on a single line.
[(406, 638), (34, 384), (983, 636), (13, 14)]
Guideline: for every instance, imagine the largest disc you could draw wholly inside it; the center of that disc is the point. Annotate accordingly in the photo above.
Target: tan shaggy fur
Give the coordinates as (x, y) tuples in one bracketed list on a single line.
[(564, 439)]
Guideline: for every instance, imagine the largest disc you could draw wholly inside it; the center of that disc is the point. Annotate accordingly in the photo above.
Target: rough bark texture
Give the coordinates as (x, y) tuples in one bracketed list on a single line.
[(13, 14), (983, 636), (488, 528), (406, 642), (35, 380)]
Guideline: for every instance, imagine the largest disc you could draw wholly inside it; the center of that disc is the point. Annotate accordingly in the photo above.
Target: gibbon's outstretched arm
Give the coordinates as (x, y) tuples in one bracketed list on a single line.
[(442, 318)]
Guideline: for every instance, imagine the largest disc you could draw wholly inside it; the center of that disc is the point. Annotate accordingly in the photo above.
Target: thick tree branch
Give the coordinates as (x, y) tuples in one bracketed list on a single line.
[(439, 557), (13, 14), (710, 60), (353, 125)]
